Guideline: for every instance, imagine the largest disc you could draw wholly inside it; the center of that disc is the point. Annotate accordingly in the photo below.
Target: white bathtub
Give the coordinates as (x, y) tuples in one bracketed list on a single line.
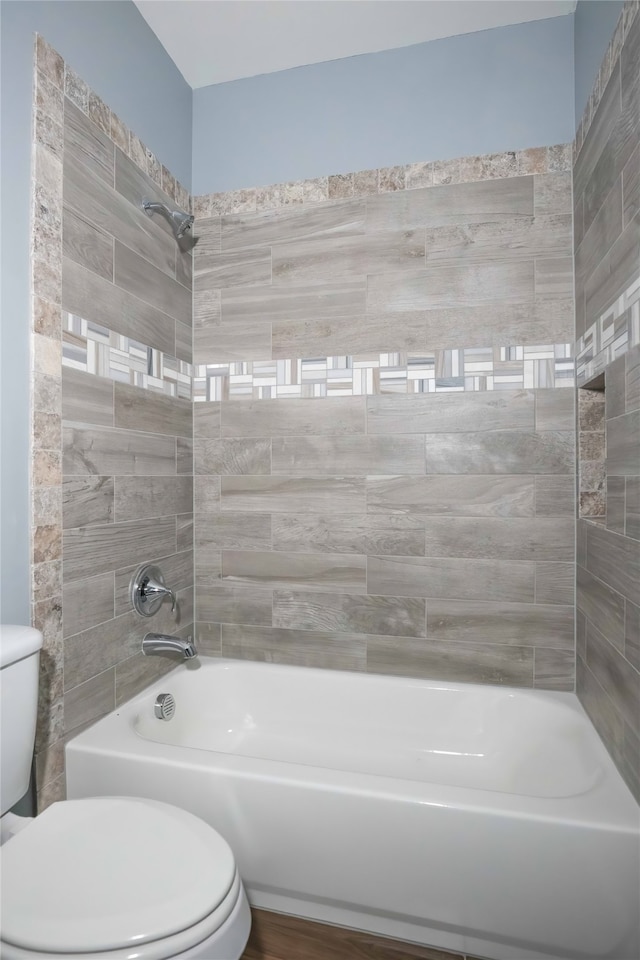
[(478, 819)]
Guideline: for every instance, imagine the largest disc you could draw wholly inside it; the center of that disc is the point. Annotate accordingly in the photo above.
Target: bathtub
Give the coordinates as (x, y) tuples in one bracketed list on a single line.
[(483, 820)]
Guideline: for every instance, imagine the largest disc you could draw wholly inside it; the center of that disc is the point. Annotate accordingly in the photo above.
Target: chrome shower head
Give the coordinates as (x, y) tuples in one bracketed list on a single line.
[(180, 222)]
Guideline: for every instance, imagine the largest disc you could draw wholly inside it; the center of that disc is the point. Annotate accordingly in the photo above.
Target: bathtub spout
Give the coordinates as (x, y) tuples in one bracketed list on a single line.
[(165, 643)]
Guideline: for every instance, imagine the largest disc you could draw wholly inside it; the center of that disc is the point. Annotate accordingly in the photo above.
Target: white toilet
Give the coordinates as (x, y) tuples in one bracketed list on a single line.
[(106, 877)]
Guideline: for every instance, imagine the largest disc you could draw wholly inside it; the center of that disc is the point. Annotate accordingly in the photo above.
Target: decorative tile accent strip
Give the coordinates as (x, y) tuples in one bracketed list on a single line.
[(94, 349), (364, 183), (468, 369), (613, 333), (627, 16)]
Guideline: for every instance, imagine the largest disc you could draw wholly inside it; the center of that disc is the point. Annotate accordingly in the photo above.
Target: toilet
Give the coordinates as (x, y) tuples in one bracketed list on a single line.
[(122, 878)]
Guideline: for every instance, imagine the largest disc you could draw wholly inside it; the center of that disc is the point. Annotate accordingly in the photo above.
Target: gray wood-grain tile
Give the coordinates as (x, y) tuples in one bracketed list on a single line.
[(140, 497), (555, 496), (225, 603), (89, 701), (184, 455), (328, 573), (244, 267), (100, 549), (151, 412), (554, 669), (206, 419), (116, 452), (304, 303), (501, 451), (450, 413), (233, 531), (316, 456), (288, 418), (84, 140), (87, 602), (93, 651), (86, 398), (87, 500), (392, 534), (87, 295), (349, 613), (617, 677), (524, 624), (146, 282), (333, 257), (614, 560), (232, 456), (361, 334), (206, 494), (184, 342), (290, 224), (601, 128), (631, 187), (452, 496), (294, 494), (602, 605), (555, 582), (494, 539), (554, 278), (623, 445), (135, 185), (295, 647), (228, 341), (552, 193), (463, 662), (602, 234), (615, 515), (519, 238), (451, 579), (87, 244), (555, 409)]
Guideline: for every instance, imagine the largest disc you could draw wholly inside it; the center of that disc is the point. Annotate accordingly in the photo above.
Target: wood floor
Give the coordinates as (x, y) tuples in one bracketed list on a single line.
[(275, 936)]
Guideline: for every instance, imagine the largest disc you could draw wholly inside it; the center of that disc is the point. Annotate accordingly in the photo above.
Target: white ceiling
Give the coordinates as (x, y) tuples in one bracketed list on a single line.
[(212, 41)]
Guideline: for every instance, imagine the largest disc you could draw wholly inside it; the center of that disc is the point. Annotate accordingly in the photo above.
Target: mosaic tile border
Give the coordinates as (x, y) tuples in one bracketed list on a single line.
[(615, 332), (89, 347), (626, 18), (513, 163), (468, 369)]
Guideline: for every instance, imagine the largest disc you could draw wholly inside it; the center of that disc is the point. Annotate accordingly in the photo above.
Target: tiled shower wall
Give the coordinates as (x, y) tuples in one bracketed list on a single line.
[(384, 438), (112, 464), (607, 225)]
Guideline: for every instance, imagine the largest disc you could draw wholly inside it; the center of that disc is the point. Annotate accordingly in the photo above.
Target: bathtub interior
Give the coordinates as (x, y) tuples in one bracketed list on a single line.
[(496, 739)]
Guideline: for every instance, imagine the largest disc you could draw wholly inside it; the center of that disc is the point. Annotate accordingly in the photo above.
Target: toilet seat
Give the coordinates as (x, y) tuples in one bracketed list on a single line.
[(114, 877)]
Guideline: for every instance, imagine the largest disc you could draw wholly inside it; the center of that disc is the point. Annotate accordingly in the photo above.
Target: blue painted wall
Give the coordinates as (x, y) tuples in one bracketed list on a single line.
[(502, 89), (595, 21), (113, 49)]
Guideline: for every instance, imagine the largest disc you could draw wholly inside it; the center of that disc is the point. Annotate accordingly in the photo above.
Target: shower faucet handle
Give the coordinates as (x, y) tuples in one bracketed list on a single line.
[(148, 590)]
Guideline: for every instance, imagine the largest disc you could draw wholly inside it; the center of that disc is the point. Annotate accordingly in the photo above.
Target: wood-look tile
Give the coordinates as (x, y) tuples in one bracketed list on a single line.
[(554, 669), (184, 342), (151, 412), (452, 204), (632, 633), (209, 233), (87, 295), (84, 140), (481, 538), (452, 496), (93, 651), (87, 702), (495, 322), (333, 257), (615, 560), (184, 531), (287, 418), (555, 496), (616, 504), (232, 456), (206, 420), (222, 603), (228, 341), (349, 613), (86, 500), (519, 238), (392, 534), (553, 278), (278, 937), (233, 531), (206, 494), (290, 224), (138, 672), (450, 413), (87, 244), (244, 267), (501, 451), (296, 647), (631, 187), (100, 549), (327, 573), (601, 605), (623, 445), (139, 497), (184, 455), (552, 193), (86, 398), (294, 494), (178, 574), (491, 663), (600, 708), (632, 379), (208, 637), (100, 450), (134, 185), (317, 456), (600, 131), (362, 334), (87, 602), (602, 234), (616, 675), (464, 285), (146, 282), (632, 507), (613, 159), (555, 409), (101, 205), (524, 624), (451, 579), (333, 299), (555, 582)]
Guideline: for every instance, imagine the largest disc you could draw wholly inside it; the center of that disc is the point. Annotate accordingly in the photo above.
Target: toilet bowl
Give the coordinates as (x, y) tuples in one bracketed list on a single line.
[(105, 878), (120, 878)]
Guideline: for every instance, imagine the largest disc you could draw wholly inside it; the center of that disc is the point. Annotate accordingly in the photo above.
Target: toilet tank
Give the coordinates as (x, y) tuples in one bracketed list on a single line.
[(19, 655)]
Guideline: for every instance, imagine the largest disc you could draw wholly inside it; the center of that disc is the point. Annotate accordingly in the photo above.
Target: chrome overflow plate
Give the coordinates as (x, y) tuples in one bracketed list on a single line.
[(164, 707)]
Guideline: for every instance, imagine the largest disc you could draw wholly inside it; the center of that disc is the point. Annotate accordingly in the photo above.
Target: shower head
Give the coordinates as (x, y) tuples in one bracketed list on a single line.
[(180, 222)]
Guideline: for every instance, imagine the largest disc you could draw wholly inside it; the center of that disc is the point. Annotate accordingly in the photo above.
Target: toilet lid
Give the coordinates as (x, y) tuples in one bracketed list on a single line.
[(105, 873)]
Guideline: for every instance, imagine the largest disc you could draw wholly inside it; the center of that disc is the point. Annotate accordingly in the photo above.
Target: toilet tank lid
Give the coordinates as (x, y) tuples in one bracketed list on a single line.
[(17, 642)]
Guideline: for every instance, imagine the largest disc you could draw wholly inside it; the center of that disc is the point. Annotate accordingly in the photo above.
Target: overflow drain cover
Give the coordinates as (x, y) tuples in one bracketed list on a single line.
[(165, 706)]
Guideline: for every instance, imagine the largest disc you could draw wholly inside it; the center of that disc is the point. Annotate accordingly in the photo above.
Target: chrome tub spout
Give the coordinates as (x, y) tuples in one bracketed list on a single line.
[(165, 643)]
